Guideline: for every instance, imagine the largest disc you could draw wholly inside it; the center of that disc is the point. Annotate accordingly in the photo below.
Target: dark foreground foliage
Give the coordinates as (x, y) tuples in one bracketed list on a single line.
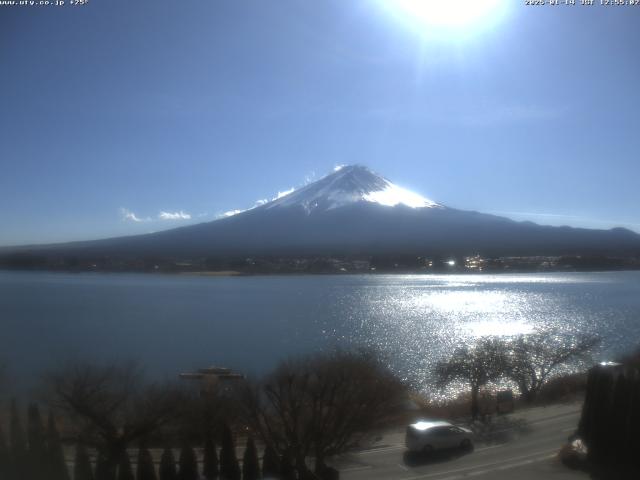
[(229, 467), (168, 469), (250, 464), (322, 405), (146, 469), (82, 465), (188, 464), (210, 467), (610, 420), (125, 471), (306, 411)]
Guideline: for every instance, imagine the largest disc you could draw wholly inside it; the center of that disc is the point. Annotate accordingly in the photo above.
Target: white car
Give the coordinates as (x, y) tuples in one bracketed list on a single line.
[(428, 436)]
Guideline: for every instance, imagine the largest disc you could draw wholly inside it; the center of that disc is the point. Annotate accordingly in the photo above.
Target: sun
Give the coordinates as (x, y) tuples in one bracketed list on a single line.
[(448, 14)]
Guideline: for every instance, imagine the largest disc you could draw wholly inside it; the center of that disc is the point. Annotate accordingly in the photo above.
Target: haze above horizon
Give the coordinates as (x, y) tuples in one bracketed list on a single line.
[(124, 117)]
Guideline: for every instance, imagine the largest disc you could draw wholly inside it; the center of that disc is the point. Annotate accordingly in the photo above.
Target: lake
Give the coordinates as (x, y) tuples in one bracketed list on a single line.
[(173, 323)]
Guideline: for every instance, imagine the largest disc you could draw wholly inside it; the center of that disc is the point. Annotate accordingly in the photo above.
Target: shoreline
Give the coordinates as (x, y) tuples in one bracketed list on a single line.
[(238, 273), (213, 273)]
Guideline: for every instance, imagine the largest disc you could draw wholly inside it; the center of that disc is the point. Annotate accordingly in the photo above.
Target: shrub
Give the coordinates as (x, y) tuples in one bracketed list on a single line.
[(18, 455), (82, 465), (270, 463), (562, 388), (125, 472), (37, 457), (104, 468), (250, 465), (229, 468), (287, 471), (210, 468), (167, 466), (4, 456), (145, 470), (57, 466), (188, 464)]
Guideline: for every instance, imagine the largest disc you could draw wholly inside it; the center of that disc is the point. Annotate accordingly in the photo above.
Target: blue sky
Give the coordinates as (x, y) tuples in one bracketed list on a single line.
[(117, 111)]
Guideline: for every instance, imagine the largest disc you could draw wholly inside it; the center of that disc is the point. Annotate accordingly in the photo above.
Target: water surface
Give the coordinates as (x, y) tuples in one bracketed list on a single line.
[(175, 323)]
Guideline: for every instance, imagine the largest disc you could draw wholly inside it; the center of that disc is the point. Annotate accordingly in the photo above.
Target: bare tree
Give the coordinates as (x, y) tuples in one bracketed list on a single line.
[(323, 405), (533, 358), (111, 406), (475, 365)]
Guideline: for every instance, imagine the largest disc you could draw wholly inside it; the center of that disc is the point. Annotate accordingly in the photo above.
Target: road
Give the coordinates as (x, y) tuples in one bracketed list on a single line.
[(524, 445)]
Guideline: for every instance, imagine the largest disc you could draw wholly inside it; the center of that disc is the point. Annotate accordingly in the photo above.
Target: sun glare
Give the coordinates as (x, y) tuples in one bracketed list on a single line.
[(448, 15)]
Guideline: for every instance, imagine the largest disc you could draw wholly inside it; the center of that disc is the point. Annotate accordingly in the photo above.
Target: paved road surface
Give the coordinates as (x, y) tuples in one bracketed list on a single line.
[(527, 450)]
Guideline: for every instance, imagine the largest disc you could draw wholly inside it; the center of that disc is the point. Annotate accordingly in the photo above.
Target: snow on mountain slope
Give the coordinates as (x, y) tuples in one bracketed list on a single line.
[(348, 185), (355, 215)]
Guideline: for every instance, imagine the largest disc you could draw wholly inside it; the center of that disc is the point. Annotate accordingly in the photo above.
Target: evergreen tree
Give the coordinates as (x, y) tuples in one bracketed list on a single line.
[(104, 468), (599, 434), (210, 467), (18, 451), (168, 466), (586, 424), (82, 465), (270, 463), (634, 423), (125, 472), (37, 456), (250, 465), (146, 470), (229, 468), (56, 465), (611, 418), (188, 464), (287, 472), (620, 414), (4, 457)]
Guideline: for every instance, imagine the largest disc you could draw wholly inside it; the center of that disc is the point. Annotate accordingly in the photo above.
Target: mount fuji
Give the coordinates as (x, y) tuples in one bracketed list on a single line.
[(350, 185), (354, 211)]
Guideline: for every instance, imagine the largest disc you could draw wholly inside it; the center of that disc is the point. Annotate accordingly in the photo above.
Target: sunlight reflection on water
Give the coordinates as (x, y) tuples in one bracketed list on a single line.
[(170, 323), (418, 320)]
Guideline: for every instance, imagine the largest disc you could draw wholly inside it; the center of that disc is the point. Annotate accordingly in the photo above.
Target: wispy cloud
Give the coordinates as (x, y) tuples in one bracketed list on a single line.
[(310, 177), (129, 216), (284, 194), (263, 201), (231, 213), (174, 215)]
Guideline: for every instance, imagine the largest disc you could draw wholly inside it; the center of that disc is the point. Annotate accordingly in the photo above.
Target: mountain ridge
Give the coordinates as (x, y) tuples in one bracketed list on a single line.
[(352, 211)]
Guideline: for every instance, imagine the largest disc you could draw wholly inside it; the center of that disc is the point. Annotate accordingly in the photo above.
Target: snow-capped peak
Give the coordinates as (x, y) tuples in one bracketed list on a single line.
[(347, 185)]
